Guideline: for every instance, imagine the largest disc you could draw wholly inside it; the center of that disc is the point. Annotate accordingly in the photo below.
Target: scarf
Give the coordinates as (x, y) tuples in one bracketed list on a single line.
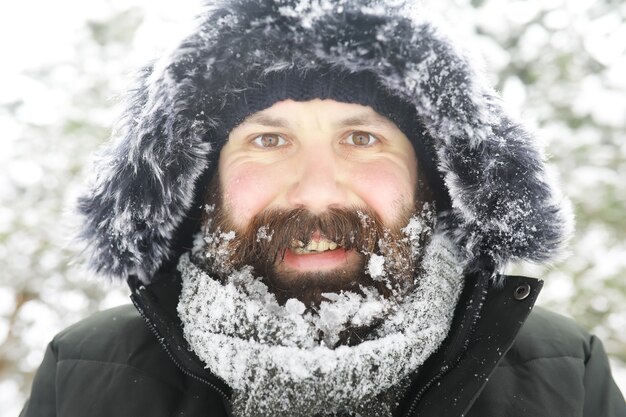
[(275, 360)]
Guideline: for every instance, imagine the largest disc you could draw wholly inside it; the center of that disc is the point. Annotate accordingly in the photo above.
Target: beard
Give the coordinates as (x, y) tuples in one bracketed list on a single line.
[(378, 256)]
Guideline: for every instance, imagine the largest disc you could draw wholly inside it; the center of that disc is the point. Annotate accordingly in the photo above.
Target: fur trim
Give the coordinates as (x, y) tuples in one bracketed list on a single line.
[(503, 205)]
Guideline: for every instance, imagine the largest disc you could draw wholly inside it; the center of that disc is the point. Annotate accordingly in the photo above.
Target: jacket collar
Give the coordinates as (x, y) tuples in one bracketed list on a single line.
[(485, 325), (157, 304)]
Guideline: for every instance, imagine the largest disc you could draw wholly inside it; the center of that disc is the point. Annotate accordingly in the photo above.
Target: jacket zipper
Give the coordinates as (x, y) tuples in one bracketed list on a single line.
[(423, 390), (443, 369), (176, 362)]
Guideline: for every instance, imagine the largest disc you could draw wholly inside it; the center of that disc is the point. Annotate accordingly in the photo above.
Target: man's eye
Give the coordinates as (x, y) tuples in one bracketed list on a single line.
[(361, 139), (269, 140)]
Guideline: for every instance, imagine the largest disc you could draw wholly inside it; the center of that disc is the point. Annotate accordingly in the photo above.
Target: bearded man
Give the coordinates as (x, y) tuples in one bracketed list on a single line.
[(312, 205)]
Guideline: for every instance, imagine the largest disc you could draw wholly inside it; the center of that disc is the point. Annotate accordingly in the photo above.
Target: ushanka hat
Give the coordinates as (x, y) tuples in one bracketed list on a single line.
[(496, 200)]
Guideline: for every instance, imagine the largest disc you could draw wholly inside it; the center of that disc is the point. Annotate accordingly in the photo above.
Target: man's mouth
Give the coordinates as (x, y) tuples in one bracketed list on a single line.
[(318, 254), (315, 245)]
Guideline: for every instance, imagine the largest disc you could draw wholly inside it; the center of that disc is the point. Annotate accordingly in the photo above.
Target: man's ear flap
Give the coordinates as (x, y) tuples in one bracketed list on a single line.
[(146, 178), (505, 205)]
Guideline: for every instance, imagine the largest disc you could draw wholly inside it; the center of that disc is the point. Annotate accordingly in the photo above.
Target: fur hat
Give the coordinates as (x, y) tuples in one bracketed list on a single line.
[(143, 206)]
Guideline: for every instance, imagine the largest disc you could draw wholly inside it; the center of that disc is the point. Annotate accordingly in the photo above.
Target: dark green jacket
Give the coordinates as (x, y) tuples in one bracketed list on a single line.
[(113, 364)]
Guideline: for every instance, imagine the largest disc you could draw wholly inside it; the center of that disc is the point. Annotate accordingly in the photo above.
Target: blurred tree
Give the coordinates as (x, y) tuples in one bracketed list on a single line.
[(62, 113)]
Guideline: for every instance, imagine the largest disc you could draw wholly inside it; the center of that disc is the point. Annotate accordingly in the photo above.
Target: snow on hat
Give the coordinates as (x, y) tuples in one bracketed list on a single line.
[(143, 206)]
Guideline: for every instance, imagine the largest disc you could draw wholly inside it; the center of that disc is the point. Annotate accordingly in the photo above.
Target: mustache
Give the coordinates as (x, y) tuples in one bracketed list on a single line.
[(271, 233)]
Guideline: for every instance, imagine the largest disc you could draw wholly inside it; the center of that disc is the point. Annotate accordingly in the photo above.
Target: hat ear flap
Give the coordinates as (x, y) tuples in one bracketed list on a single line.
[(504, 204), (145, 179)]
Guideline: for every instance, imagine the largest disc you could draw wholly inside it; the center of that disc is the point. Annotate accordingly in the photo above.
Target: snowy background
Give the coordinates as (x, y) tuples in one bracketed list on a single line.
[(558, 63)]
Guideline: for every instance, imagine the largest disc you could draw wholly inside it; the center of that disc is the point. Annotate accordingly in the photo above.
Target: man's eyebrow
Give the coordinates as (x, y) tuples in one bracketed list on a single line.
[(358, 120), (265, 120), (366, 120)]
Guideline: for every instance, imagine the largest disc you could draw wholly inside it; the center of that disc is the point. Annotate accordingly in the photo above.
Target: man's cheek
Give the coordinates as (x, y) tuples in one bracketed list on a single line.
[(247, 193), (384, 190)]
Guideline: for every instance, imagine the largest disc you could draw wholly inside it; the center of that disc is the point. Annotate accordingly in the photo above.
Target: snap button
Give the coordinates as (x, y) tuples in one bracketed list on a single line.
[(521, 292)]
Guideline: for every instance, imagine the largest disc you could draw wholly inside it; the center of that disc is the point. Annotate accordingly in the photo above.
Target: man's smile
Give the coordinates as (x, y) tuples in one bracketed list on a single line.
[(318, 254), (313, 246), (319, 260)]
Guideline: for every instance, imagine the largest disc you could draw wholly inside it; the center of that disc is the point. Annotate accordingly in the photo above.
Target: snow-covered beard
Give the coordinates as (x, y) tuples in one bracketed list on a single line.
[(386, 255), (271, 354)]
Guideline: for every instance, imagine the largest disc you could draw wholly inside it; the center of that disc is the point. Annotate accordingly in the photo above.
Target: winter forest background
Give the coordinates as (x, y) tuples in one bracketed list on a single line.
[(559, 64)]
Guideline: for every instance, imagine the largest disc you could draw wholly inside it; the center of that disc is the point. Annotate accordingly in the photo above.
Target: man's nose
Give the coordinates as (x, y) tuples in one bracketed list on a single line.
[(318, 185)]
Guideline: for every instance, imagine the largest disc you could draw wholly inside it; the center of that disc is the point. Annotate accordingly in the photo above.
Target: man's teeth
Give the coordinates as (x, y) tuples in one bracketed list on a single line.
[(313, 246)]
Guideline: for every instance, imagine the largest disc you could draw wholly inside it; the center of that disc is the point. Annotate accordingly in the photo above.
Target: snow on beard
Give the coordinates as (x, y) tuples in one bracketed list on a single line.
[(388, 256)]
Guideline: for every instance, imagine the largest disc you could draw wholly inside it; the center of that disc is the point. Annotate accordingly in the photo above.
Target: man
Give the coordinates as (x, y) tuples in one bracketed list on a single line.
[(312, 204)]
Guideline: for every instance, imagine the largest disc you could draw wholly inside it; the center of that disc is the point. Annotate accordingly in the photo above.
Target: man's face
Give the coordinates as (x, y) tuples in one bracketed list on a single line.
[(316, 158)]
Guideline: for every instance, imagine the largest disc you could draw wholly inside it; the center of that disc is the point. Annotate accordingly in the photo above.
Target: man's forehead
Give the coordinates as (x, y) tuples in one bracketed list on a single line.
[(364, 117)]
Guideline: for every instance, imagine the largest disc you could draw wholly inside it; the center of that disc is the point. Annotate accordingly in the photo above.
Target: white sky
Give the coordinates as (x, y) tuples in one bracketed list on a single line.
[(36, 32)]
